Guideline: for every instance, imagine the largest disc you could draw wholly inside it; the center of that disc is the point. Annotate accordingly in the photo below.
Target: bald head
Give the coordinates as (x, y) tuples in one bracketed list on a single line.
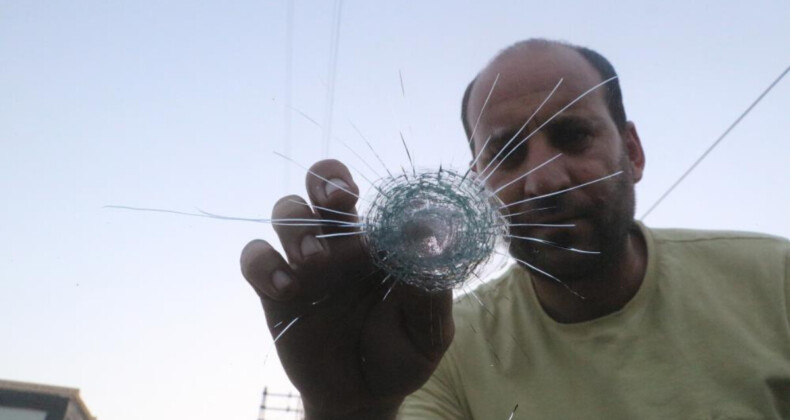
[(537, 53)]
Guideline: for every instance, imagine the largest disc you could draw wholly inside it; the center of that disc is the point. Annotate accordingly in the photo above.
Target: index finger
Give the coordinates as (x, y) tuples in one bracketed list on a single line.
[(332, 190)]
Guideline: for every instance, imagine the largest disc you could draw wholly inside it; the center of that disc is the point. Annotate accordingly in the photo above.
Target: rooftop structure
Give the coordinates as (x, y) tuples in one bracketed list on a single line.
[(29, 401)]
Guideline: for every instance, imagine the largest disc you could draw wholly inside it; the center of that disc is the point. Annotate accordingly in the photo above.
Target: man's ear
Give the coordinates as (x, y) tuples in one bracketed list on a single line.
[(633, 148)]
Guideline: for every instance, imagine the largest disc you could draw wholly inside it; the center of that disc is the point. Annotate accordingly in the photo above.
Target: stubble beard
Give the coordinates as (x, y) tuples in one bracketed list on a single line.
[(610, 219)]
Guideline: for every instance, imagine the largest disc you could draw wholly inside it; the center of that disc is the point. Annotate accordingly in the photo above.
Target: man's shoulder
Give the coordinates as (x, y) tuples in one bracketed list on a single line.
[(718, 258), (719, 243), (692, 235)]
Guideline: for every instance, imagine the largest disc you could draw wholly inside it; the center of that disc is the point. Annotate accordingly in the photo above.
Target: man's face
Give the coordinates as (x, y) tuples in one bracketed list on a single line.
[(591, 146)]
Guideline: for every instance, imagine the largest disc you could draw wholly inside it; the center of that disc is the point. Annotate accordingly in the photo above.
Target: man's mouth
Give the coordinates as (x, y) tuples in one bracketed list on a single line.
[(564, 219), (557, 229)]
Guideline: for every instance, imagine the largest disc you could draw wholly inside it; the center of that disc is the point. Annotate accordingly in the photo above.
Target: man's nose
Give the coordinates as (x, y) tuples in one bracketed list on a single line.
[(552, 176)]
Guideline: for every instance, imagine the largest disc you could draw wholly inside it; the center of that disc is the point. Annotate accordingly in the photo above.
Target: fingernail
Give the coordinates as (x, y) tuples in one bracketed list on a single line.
[(333, 185), (280, 281), (310, 246)]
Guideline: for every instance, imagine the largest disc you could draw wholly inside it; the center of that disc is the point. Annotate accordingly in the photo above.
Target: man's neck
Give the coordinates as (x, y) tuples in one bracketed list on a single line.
[(603, 292)]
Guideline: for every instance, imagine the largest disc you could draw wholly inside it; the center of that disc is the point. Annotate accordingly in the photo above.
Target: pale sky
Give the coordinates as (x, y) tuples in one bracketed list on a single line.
[(180, 104)]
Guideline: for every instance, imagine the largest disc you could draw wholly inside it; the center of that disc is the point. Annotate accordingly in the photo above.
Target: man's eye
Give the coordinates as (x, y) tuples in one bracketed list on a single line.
[(507, 155), (570, 138), (578, 135)]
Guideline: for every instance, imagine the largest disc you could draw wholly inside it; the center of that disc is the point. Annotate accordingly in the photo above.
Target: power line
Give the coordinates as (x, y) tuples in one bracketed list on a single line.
[(716, 143)]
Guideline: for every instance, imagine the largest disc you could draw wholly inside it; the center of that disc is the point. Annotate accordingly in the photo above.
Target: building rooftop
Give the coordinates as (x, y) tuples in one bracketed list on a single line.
[(40, 396)]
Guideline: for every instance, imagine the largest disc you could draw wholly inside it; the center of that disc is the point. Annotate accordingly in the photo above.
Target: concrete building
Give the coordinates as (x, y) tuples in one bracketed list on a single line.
[(27, 401)]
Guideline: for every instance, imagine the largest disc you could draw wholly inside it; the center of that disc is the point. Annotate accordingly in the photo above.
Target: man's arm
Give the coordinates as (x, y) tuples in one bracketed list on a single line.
[(352, 347)]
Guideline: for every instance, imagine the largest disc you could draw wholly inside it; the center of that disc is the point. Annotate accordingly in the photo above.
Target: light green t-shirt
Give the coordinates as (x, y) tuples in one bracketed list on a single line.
[(706, 337)]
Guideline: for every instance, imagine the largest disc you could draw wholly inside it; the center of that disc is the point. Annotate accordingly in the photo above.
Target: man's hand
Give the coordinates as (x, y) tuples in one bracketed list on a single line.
[(350, 352)]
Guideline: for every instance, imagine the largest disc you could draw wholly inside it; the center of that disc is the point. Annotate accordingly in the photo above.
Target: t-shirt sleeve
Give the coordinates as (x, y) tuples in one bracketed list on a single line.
[(437, 399)]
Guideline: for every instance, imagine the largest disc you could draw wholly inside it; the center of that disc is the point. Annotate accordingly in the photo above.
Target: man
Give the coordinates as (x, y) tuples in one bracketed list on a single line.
[(658, 324)]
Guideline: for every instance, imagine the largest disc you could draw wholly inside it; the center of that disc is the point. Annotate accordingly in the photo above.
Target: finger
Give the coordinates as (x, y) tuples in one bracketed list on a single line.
[(330, 185), (297, 226), (267, 272)]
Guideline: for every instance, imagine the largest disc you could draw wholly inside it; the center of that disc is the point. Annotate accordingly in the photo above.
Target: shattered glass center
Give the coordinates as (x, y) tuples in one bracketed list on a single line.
[(432, 229), (430, 232)]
